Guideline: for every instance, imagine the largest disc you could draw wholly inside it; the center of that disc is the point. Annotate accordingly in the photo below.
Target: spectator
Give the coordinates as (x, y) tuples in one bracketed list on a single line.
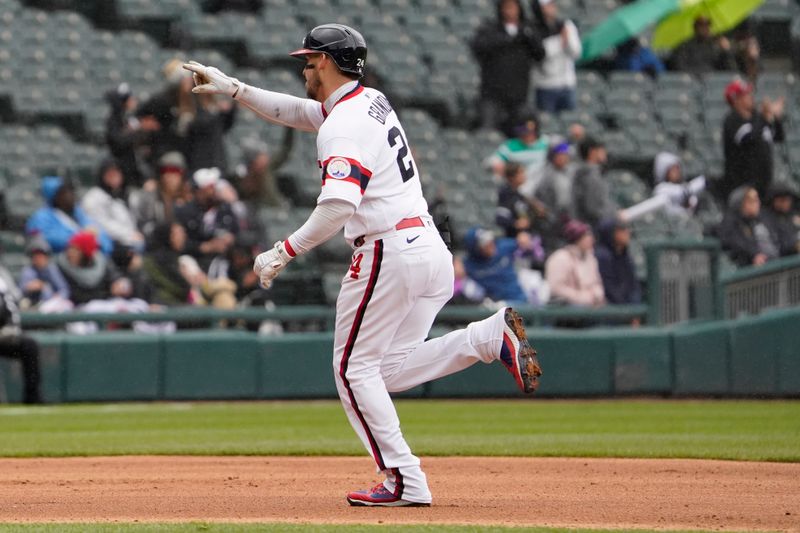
[(513, 210), (682, 199), (633, 56), (241, 272), (506, 49), (61, 218), (576, 134), (556, 189), (107, 204), (703, 53), (249, 226), (171, 285), (615, 263), (205, 133), (90, 275), (130, 264), (234, 273), (211, 225), (41, 281), (14, 343), (490, 263), (748, 56), (255, 175), (572, 271), (780, 217), (465, 290), (744, 235), (748, 137), (170, 111), (590, 190), (127, 136), (555, 75), (157, 206), (526, 148)]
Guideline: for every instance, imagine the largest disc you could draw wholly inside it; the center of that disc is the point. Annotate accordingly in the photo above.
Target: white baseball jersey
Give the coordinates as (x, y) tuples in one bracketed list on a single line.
[(365, 160)]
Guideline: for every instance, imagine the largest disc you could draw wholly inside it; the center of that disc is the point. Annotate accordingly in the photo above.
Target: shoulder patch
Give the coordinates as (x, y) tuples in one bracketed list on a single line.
[(339, 168)]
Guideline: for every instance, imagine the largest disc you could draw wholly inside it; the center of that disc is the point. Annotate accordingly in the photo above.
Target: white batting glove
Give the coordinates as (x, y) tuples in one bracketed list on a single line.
[(210, 80), (269, 264)]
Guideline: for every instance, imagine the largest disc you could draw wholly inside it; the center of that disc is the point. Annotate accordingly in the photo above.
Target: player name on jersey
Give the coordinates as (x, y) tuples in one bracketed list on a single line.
[(380, 109)]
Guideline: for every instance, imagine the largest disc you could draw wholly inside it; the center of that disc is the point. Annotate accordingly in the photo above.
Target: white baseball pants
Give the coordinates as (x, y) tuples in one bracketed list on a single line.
[(387, 304)]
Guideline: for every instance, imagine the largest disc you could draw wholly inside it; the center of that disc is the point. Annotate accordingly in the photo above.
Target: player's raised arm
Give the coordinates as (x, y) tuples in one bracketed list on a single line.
[(284, 109)]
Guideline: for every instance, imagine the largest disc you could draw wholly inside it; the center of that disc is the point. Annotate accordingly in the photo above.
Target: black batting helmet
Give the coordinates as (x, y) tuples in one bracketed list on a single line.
[(345, 45)]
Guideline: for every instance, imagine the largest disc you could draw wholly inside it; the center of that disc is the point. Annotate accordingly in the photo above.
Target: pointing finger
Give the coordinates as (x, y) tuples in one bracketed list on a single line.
[(194, 66)]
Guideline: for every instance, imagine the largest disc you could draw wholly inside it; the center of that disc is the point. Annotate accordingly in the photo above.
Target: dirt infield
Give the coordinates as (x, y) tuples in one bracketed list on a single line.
[(606, 493)]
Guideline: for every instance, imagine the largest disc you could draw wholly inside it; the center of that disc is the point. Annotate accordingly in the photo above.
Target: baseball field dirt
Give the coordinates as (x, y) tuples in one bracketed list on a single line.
[(602, 493)]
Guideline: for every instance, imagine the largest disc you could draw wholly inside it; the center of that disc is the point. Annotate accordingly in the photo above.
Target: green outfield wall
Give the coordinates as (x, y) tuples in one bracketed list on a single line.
[(757, 356)]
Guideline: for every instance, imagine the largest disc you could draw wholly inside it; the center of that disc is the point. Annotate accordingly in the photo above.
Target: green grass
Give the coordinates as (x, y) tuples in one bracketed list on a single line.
[(268, 528), (746, 430)]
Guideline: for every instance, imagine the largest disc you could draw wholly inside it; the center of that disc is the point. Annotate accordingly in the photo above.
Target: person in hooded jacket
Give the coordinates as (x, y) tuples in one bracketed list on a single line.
[(506, 49), (781, 218), (61, 217), (107, 204), (490, 263), (126, 134), (743, 233), (669, 179), (572, 272), (615, 263)]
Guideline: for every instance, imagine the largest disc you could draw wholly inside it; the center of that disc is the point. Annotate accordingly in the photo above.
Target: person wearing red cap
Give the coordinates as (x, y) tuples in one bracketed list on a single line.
[(90, 275), (748, 135)]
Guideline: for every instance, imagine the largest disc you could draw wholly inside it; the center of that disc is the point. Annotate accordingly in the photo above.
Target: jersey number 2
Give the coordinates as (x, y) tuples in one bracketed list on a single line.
[(406, 171)]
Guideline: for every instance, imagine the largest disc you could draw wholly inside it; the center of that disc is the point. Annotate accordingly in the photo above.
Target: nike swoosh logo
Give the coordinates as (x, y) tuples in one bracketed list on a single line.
[(409, 241)]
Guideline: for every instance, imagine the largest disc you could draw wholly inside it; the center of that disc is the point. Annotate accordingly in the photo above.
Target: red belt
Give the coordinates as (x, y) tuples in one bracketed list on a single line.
[(415, 222)]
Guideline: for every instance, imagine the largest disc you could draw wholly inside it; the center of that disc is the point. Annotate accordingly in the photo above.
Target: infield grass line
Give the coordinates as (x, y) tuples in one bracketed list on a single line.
[(735, 430)]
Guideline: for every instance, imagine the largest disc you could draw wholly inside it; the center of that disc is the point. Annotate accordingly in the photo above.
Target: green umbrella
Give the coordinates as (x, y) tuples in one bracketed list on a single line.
[(724, 15), (624, 23)]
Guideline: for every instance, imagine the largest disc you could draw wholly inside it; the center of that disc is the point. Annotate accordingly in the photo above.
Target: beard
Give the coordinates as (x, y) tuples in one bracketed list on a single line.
[(312, 87)]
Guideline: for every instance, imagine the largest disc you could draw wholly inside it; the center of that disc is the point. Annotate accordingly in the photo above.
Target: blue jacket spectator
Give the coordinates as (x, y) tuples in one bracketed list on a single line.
[(632, 56), (617, 269), (41, 280), (61, 218), (490, 263)]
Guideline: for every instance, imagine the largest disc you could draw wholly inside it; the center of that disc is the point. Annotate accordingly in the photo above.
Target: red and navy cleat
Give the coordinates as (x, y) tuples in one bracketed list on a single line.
[(517, 355), (379, 496)]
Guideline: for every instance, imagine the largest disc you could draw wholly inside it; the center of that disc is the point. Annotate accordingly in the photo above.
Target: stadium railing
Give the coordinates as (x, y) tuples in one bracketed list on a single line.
[(206, 317), (682, 281), (751, 290)]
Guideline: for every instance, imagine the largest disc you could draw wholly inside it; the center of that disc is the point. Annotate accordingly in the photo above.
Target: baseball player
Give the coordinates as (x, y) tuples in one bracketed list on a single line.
[(401, 272)]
